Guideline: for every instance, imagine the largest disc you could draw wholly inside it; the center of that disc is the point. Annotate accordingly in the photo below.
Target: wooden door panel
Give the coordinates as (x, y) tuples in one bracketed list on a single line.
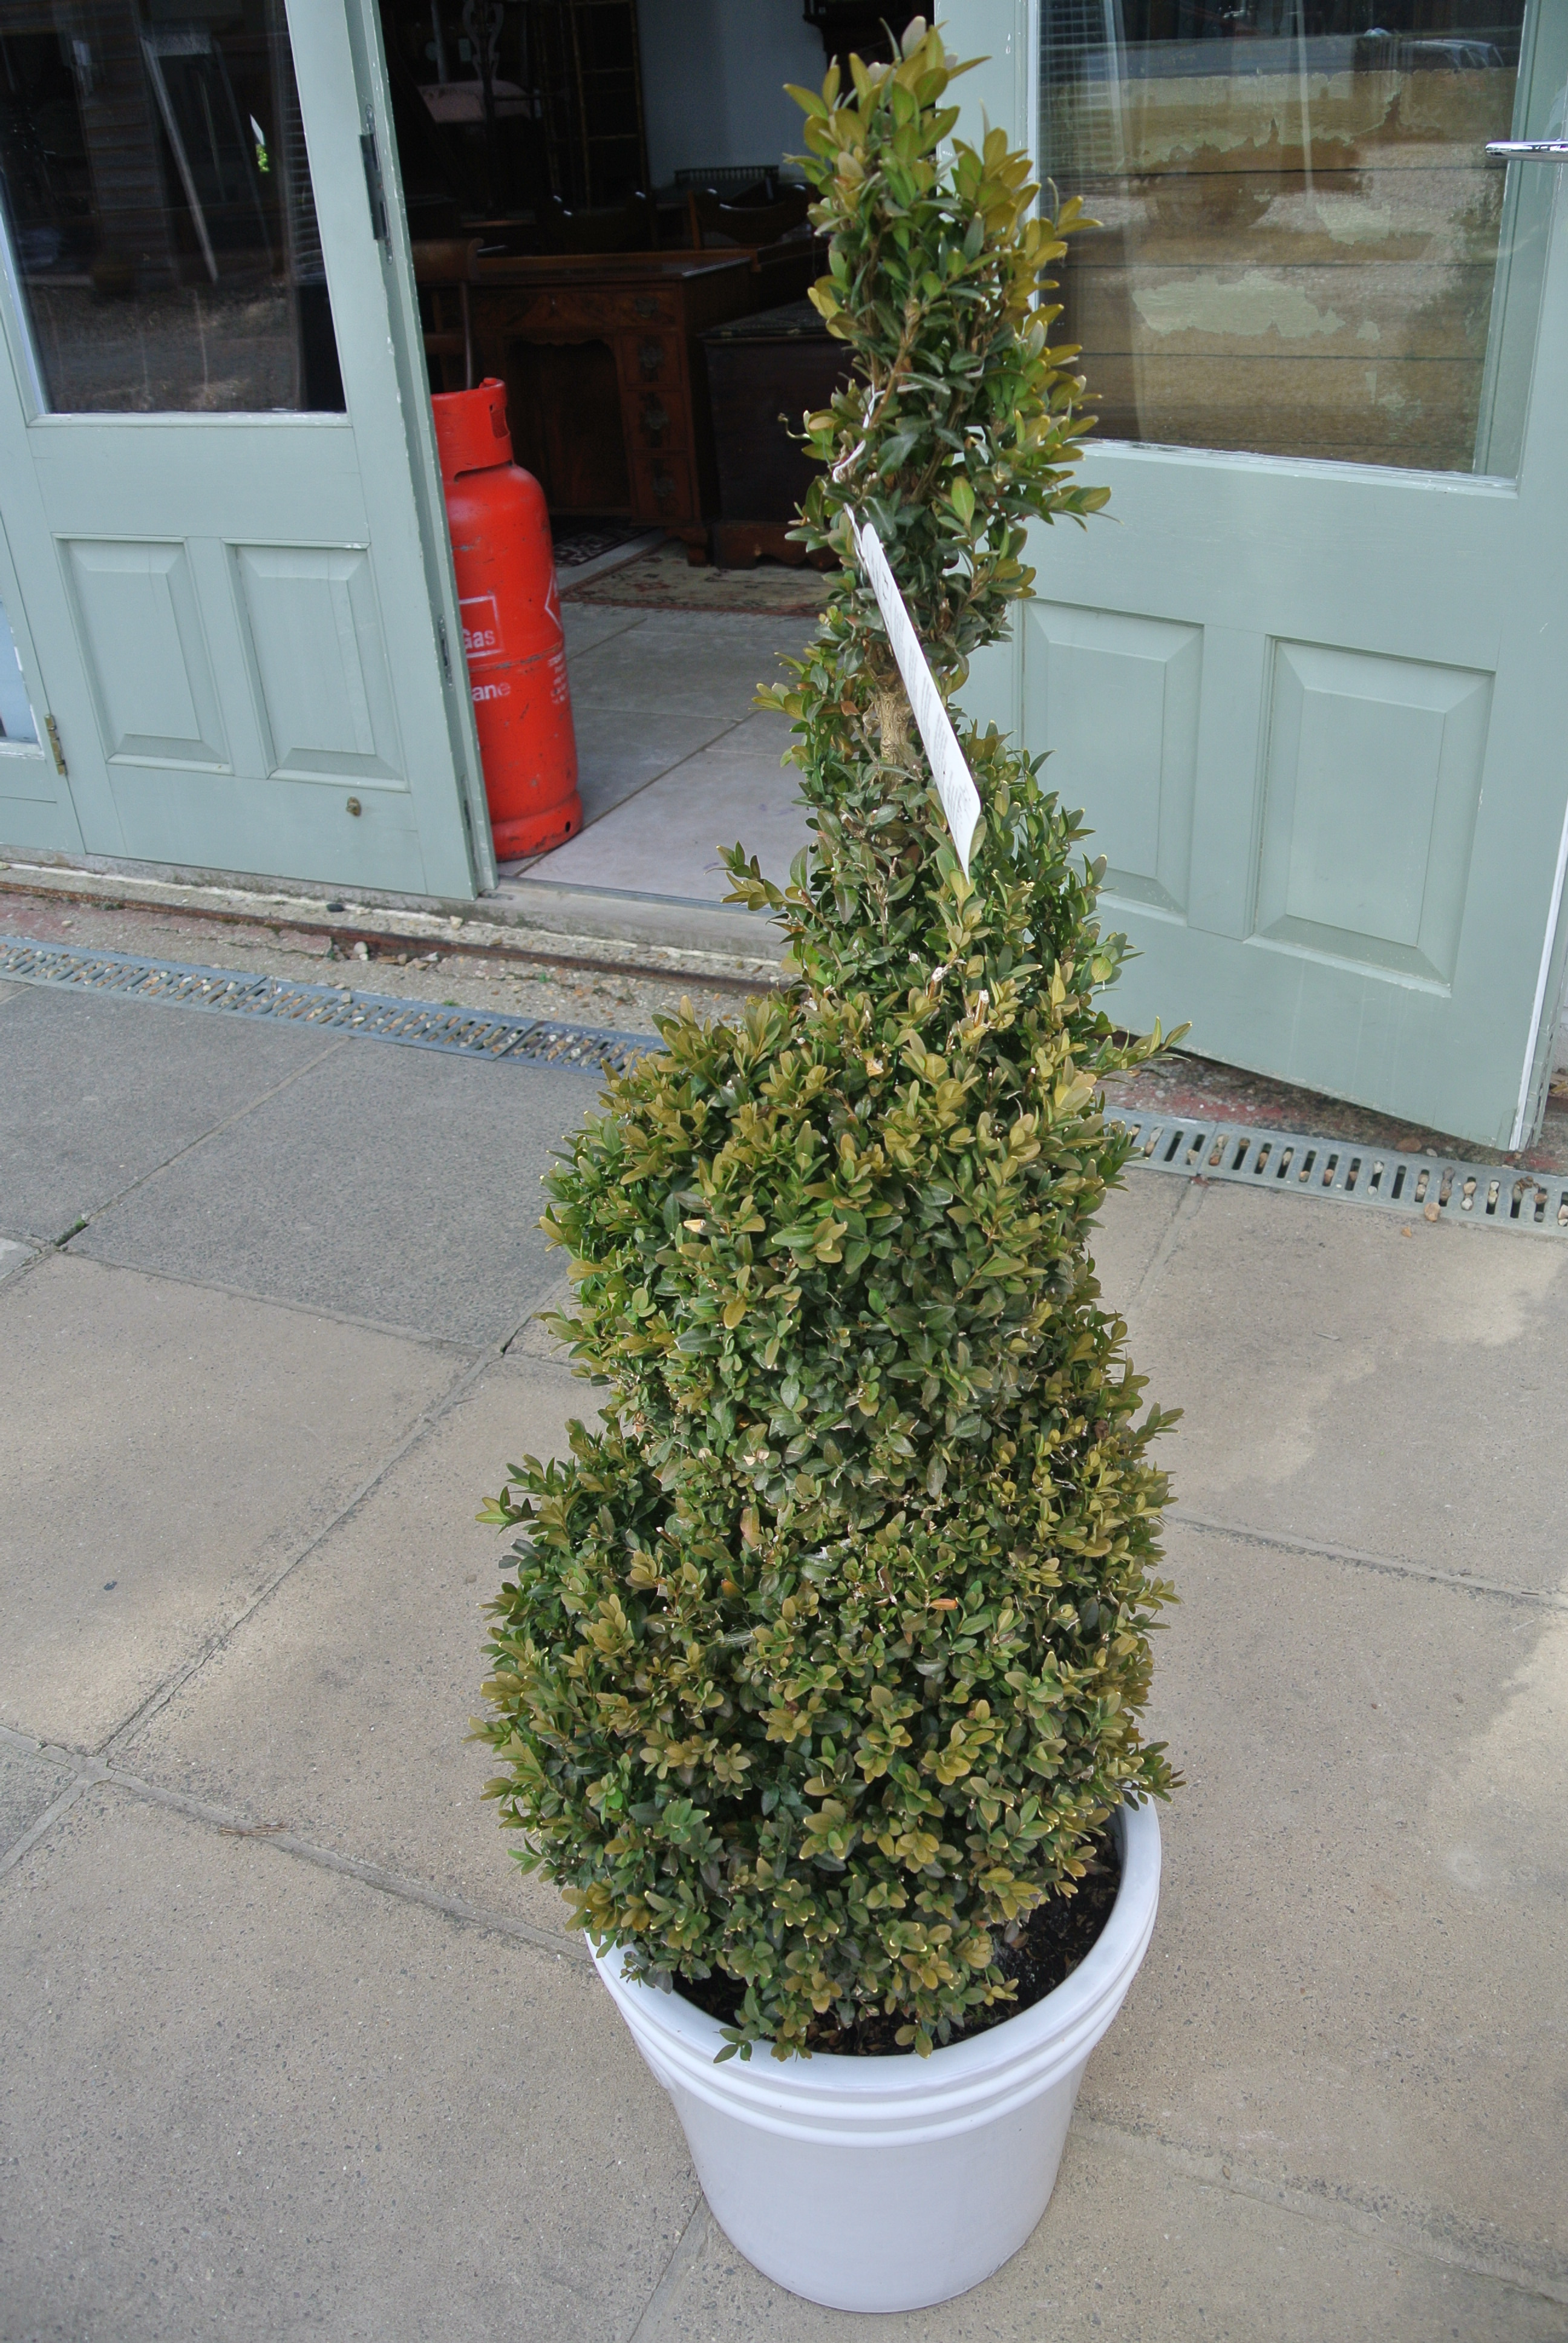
[(290, 829), (1115, 696), (1371, 782), (27, 775), (137, 467), (313, 647), (145, 652)]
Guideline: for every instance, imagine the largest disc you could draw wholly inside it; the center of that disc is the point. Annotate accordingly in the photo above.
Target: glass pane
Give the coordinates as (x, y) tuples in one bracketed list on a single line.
[(155, 182), (1303, 247), (15, 714)]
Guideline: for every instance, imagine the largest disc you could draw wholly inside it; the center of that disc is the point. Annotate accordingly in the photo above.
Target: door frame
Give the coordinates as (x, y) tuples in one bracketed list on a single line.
[(33, 759), (429, 538), (336, 46), (1001, 92)]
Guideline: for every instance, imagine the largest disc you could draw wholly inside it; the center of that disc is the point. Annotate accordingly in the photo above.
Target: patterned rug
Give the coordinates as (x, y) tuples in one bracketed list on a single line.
[(579, 541), (663, 580)]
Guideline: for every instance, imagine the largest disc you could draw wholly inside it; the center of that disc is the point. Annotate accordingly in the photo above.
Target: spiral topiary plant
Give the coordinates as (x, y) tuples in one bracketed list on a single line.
[(823, 1662)]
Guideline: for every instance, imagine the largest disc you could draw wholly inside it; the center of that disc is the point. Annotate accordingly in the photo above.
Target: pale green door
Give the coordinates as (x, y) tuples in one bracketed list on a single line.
[(1310, 684), (224, 558)]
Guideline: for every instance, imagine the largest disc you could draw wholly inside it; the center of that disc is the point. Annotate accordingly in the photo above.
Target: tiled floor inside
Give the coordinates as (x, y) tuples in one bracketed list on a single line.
[(675, 760)]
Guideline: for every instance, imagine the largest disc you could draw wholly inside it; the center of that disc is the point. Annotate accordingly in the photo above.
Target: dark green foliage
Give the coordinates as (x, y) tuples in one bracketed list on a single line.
[(824, 1659)]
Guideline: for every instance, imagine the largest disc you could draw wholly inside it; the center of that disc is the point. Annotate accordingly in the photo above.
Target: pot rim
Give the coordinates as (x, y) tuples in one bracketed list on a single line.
[(838, 2099)]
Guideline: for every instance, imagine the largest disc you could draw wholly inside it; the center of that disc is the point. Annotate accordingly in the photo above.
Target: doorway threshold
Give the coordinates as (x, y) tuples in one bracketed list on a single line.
[(523, 919)]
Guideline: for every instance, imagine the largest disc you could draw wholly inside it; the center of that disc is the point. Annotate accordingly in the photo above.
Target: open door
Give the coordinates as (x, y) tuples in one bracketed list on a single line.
[(1309, 679), (235, 613)]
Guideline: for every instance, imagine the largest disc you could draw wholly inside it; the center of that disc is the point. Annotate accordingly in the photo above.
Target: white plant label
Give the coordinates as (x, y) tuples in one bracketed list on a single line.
[(955, 783)]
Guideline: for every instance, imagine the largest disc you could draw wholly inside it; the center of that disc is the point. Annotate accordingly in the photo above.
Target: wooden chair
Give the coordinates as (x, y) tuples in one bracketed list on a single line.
[(445, 265), (715, 224)]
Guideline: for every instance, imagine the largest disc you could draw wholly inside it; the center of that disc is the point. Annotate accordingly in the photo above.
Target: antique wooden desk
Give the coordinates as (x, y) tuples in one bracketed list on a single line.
[(607, 394)]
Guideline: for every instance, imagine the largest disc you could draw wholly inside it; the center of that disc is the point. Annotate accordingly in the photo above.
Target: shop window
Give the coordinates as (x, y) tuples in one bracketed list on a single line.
[(155, 185), (1303, 247)]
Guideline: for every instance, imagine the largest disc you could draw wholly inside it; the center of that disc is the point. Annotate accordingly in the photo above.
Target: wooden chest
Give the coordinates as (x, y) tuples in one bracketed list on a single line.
[(764, 373)]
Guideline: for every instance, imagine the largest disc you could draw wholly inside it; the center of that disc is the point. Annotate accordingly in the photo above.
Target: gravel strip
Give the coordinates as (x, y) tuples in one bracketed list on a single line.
[(626, 1003)]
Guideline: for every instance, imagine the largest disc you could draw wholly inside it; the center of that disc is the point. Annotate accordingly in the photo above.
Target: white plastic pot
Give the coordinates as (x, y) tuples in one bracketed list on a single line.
[(887, 2184)]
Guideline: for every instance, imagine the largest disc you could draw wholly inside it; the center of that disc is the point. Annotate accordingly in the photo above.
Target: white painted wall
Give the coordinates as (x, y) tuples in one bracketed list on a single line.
[(712, 81)]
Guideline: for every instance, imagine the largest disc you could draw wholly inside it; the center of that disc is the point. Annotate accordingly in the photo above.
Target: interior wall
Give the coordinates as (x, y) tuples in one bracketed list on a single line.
[(712, 81)]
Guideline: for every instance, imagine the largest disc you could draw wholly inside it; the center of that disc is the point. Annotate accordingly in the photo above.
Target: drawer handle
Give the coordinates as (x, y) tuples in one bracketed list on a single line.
[(650, 359), (655, 416), (646, 305)]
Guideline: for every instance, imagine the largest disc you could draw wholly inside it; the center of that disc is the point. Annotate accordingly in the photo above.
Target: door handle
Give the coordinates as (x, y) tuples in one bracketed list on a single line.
[(1530, 150)]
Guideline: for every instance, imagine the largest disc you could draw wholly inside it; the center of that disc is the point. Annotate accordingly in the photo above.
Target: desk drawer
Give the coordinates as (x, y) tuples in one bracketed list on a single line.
[(649, 305), (586, 308), (663, 488), (573, 310), (653, 361), (655, 419)]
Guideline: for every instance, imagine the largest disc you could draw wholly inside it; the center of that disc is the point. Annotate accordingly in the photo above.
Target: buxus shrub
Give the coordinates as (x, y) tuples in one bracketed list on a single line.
[(822, 1661)]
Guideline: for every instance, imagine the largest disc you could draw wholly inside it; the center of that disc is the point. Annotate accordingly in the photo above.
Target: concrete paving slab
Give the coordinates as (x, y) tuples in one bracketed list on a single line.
[(535, 1341), (587, 623), (98, 1092), (621, 750), (665, 840), (250, 2101), (28, 1786), (1134, 1223), (168, 1451), (1134, 2250), (341, 1706), (762, 734), (685, 662), (13, 1256), (1354, 1987), (398, 1185), (1345, 1383)]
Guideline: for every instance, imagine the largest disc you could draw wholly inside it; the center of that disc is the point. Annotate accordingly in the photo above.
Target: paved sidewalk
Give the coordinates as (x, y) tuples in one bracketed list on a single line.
[(293, 2053)]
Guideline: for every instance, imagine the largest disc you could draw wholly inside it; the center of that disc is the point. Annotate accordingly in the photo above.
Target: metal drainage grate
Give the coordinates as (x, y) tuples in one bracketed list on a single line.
[(1438, 1187), (422, 1024)]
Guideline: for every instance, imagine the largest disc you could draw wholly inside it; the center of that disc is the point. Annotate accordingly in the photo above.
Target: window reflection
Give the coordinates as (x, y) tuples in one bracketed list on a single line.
[(1300, 230), (155, 182)]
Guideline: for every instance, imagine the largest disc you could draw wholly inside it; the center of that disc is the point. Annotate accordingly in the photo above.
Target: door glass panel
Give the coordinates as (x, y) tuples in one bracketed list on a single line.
[(155, 183), (15, 714), (1304, 249)]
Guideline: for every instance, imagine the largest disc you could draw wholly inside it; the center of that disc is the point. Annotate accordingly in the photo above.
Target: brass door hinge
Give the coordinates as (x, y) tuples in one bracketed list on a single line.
[(52, 729)]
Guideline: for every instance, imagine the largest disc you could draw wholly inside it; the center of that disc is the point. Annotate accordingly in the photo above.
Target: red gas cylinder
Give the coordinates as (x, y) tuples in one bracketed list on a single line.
[(511, 617)]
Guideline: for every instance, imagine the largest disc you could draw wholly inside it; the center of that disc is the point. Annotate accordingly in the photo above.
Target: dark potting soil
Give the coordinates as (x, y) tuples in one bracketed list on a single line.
[(1051, 1943)]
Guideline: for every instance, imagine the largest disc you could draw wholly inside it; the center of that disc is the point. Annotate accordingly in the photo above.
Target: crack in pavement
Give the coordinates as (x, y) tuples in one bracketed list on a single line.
[(94, 1772)]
